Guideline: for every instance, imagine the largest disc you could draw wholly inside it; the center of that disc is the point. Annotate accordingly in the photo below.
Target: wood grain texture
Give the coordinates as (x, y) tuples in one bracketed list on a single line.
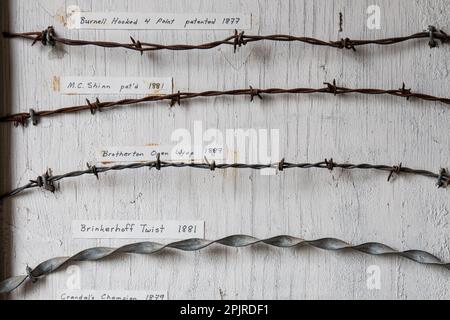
[(355, 206)]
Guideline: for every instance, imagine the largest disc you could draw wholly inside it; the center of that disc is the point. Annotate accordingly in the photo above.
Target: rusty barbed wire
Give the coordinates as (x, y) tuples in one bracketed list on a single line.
[(237, 241), (237, 40), (47, 181), (330, 88)]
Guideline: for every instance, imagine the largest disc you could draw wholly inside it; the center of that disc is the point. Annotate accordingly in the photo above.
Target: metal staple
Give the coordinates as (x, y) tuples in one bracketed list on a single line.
[(47, 181), (236, 241), (176, 98), (237, 40)]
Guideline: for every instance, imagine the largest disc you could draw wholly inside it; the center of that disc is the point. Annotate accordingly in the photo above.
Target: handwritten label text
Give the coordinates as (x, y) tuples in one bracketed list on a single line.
[(113, 229)]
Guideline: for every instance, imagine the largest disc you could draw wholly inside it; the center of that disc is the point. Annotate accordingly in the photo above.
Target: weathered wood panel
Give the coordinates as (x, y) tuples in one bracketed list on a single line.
[(357, 206)]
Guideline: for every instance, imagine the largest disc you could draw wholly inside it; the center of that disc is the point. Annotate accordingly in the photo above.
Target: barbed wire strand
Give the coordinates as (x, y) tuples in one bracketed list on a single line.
[(237, 40), (237, 241), (176, 98), (47, 181)]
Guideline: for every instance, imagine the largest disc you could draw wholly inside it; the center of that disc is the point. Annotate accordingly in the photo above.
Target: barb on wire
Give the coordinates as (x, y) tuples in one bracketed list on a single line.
[(237, 241), (176, 98), (47, 181), (237, 40)]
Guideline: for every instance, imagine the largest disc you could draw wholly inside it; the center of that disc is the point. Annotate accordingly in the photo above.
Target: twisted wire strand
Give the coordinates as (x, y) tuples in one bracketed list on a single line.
[(176, 98), (47, 181), (236, 241), (239, 39)]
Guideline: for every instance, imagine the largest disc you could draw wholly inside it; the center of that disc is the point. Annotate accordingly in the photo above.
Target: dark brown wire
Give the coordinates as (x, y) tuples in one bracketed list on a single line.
[(237, 40), (176, 98)]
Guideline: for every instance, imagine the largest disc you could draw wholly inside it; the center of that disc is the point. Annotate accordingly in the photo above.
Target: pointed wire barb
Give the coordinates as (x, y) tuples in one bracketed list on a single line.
[(176, 99), (30, 276), (395, 170), (33, 117), (94, 106), (281, 165), (330, 164), (432, 42), (45, 181), (93, 170), (255, 93), (443, 179), (138, 45), (239, 40)]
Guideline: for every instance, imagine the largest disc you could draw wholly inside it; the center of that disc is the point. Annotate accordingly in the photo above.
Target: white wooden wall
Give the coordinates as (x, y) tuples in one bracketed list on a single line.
[(409, 213)]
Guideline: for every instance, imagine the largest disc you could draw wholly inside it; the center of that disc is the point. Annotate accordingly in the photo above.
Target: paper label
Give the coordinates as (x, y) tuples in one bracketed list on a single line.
[(112, 85), (130, 229), (158, 21), (111, 295), (167, 153)]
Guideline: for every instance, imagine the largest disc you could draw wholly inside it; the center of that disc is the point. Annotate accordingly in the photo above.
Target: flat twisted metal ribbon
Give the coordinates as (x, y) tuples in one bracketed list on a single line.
[(236, 241), (47, 181), (22, 118), (239, 39)]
